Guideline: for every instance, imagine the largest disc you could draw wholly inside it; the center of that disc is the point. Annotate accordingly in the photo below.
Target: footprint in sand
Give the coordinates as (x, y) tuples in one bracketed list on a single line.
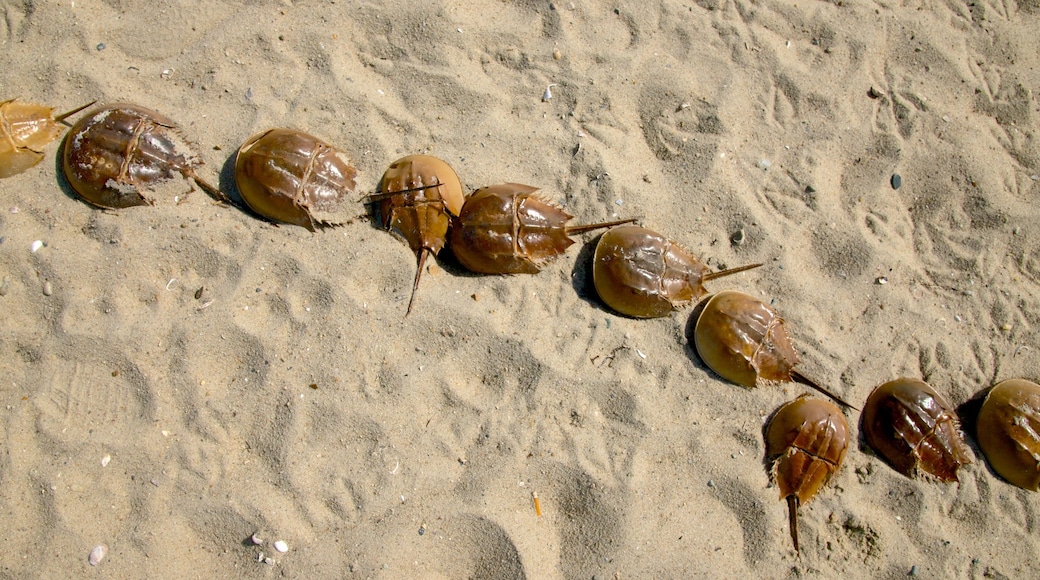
[(470, 546), (91, 391), (682, 133)]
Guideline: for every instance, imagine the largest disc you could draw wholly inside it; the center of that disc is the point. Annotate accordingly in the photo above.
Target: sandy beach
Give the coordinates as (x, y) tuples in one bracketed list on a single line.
[(177, 380)]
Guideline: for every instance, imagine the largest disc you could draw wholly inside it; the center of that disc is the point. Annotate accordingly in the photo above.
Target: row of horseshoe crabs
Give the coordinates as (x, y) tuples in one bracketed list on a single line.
[(912, 428), (118, 155), (121, 155), (506, 229), (745, 342)]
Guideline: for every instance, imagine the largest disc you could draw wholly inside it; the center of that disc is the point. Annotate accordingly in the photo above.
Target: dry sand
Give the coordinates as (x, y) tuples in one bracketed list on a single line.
[(302, 405)]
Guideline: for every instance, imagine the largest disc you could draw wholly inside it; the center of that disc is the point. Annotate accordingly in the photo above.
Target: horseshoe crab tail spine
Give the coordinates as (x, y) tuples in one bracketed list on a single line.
[(792, 519), (61, 118), (213, 192), (731, 271), (800, 378), (580, 229), (423, 253)]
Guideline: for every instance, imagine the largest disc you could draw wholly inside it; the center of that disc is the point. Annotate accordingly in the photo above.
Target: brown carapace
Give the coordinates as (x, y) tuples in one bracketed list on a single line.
[(417, 198), (642, 274), (507, 229), (914, 429), (118, 155), (744, 340), (291, 177), (25, 129), (1008, 431), (806, 441)]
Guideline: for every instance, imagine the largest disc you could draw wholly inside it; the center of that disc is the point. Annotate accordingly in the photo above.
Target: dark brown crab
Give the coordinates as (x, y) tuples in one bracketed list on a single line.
[(744, 340), (417, 198), (806, 441), (119, 154), (642, 274), (292, 177), (1008, 431), (507, 229), (914, 429)]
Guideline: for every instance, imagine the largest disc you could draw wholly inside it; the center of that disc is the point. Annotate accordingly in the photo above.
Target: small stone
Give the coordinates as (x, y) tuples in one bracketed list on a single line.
[(557, 55), (97, 554), (881, 280), (764, 164), (48, 289), (257, 540), (281, 546), (897, 181), (913, 571), (873, 93), (105, 460), (5, 286), (100, 46), (738, 238), (711, 483), (35, 246)]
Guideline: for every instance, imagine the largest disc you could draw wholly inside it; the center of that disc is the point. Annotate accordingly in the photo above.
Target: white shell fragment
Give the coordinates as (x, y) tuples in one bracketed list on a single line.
[(105, 460), (257, 540), (35, 246), (281, 546), (97, 554), (548, 93)]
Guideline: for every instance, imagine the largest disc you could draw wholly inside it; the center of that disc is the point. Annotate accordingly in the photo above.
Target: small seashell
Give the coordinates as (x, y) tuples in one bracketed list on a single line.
[(105, 460), (548, 93), (97, 554), (35, 246), (281, 546)]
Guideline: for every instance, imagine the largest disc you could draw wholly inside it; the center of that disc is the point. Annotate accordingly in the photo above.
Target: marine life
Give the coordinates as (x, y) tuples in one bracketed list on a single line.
[(806, 441), (743, 340), (292, 177), (417, 198), (97, 554), (25, 128), (642, 274), (914, 429), (506, 229), (120, 155), (1008, 431)]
